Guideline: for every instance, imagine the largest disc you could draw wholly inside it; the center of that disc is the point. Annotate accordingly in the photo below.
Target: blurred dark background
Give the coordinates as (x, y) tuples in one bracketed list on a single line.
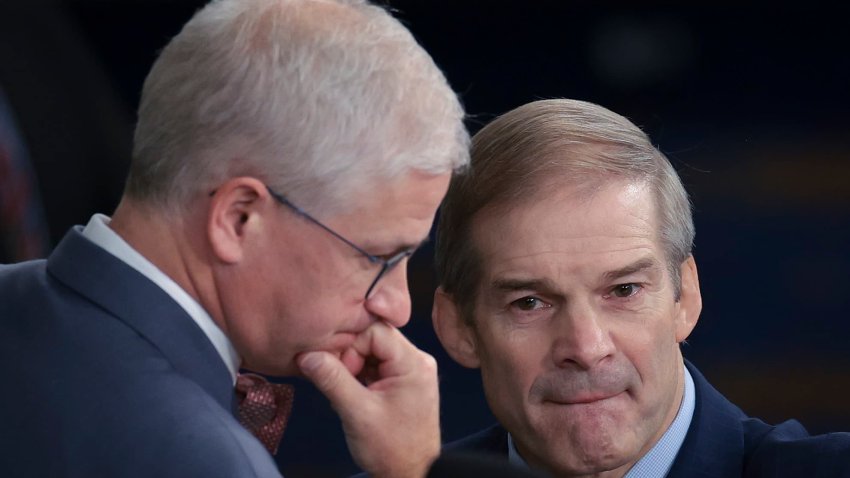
[(750, 103)]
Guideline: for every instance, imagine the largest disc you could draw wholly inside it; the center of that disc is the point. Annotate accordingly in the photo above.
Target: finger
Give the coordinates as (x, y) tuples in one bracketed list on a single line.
[(394, 353), (353, 361), (332, 378)]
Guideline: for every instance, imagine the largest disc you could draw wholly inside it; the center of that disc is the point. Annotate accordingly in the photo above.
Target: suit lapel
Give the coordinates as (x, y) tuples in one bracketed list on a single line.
[(143, 306)]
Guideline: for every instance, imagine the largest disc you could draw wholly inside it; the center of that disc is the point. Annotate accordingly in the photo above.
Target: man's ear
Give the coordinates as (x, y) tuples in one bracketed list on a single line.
[(235, 212), (690, 300), (454, 333)]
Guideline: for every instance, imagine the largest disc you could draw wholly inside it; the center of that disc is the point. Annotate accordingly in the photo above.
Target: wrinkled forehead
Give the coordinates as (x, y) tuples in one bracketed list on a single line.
[(576, 189), (594, 218)]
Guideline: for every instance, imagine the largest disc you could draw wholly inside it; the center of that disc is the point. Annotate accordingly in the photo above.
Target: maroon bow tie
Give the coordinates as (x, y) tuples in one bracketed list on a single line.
[(263, 408)]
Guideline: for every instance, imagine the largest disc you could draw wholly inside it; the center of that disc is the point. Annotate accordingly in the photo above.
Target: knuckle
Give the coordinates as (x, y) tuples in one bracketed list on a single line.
[(426, 368), (429, 363)]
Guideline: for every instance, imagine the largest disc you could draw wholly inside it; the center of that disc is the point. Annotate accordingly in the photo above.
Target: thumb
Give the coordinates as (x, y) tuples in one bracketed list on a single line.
[(331, 377)]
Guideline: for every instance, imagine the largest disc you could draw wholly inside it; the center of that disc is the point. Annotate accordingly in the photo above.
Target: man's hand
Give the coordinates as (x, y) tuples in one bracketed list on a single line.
[(385, 391)]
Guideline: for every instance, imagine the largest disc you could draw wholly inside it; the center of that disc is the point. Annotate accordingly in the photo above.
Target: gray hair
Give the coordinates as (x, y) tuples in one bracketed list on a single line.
[(547, 144), (318, 98)]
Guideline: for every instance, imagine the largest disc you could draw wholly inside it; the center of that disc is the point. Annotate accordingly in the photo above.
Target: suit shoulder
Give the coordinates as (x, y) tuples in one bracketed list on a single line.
[(788, 450), (154, 422), (183, 431), (21, 276), (207, 441)]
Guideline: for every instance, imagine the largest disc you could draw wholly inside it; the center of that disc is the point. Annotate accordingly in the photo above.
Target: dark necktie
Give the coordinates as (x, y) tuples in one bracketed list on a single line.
[(263, 408)]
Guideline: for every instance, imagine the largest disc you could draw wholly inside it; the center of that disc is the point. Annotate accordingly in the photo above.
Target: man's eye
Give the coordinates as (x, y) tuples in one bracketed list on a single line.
[(529, 303), (625, 290)]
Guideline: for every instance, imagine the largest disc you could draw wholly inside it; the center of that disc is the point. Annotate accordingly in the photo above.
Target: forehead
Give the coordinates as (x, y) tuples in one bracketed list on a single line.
[(398, 210), (572, 228)]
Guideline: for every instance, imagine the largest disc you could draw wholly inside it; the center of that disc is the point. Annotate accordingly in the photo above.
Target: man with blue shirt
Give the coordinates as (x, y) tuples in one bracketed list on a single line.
[(566, 276)]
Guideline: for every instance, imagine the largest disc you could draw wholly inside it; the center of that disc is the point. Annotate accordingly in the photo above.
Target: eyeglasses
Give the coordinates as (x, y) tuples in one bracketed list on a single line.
[(386, 263)]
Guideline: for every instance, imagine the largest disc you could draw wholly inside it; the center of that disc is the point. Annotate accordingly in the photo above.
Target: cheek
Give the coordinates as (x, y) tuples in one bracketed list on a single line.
[(652, 349), (510, 363), (246, 292), (304, 315)]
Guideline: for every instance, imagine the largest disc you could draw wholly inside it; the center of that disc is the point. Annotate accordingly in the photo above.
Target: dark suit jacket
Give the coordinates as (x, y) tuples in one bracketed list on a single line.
[(105, 375), (723, 442)]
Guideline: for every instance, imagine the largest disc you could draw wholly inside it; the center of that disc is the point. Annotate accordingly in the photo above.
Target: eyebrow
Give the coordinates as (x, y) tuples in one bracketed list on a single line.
[(637, 266), (509, 285)]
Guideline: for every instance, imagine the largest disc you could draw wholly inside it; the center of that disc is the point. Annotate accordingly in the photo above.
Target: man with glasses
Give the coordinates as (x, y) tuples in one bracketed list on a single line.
[(289, 157), (385, 263)]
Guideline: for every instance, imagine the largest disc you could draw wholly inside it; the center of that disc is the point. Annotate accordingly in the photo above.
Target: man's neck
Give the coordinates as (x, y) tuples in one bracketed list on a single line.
[(175, 245)]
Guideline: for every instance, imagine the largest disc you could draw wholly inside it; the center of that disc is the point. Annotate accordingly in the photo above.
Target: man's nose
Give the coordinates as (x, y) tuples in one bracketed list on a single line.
[(390, 298), (583, 338)]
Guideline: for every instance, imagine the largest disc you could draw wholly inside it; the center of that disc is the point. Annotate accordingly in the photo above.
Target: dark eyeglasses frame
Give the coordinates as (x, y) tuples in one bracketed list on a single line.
[(386, 264)]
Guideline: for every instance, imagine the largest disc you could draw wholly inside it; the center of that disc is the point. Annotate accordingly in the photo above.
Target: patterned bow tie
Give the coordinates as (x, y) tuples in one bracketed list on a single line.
[(264, 408)]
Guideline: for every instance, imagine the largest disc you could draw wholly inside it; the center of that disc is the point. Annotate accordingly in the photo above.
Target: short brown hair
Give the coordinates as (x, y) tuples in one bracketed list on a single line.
[(548, 144)]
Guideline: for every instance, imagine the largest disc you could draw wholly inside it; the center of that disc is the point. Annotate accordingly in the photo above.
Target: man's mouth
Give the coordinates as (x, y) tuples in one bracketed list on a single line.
[(583, 398)]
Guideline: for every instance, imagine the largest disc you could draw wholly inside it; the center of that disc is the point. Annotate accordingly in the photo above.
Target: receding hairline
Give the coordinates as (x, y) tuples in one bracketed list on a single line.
[(552, 176)]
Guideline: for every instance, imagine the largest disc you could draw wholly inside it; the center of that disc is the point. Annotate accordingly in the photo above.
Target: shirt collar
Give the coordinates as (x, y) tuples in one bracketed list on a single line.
[(98, 231), (659, 459)]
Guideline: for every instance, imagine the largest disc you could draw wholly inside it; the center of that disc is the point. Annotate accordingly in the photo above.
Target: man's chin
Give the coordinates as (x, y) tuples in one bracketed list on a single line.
[(586, 463), (585, 449)]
